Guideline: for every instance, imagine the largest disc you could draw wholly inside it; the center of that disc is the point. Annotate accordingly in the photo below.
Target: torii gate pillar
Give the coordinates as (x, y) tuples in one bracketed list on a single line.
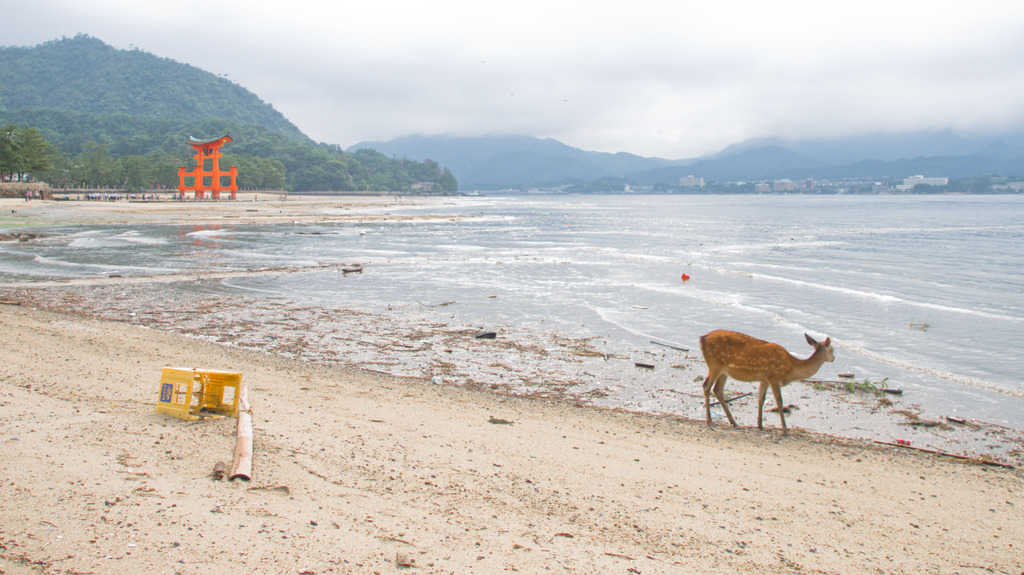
[(208, 150)]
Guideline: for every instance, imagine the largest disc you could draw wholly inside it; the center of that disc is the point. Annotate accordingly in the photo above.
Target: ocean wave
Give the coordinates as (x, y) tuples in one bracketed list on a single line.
[(144, 240), (886, 298), (959, 379), (45, 261), (72, 269), (214, 233)]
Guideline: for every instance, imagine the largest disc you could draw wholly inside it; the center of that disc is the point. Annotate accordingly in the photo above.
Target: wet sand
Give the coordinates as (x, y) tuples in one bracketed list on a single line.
[(248, 208)]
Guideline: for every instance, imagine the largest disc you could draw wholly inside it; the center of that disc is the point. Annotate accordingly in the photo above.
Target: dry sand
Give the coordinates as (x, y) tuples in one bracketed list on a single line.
[(353, 469)]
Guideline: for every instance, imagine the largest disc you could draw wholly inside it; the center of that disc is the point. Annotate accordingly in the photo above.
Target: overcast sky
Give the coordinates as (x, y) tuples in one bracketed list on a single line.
[(673, 78)]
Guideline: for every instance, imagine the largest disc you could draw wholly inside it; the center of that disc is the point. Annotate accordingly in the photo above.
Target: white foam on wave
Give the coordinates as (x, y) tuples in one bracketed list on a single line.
[(214, 233), (962, 380), (899, 230), (96, 239), (744, 248), (617, 318), (736, 302), (91, 242), (42, 260), (76, 268), (144, 240), (886, 298)]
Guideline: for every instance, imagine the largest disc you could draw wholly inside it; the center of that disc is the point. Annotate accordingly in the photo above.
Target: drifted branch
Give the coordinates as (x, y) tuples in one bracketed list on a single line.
[(734, 398), (241, 467)]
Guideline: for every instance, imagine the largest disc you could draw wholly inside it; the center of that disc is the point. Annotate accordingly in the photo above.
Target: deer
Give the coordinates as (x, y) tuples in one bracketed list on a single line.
[(745, 358)]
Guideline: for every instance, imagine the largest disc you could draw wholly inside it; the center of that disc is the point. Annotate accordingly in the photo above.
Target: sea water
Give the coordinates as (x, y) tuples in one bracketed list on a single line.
[(926, 291)]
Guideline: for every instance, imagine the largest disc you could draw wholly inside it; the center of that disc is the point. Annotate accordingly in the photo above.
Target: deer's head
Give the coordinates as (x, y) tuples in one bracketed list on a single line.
[(824, 347)]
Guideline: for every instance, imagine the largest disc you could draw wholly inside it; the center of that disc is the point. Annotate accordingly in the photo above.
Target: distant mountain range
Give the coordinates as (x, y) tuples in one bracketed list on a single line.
[(495, 162)]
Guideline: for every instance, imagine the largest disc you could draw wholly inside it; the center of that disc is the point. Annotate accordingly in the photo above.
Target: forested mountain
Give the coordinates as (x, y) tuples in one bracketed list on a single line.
[(495, 162), (83, 74), (94, 102)]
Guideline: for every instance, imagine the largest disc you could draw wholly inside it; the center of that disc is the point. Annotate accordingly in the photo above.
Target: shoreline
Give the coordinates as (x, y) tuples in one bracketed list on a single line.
[(429, 344), (410, 342), (360, 471), (355, 470), (248, 208), (888, 418)]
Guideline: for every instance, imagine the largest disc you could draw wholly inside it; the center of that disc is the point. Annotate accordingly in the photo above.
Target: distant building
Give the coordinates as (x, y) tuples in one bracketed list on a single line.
[(691, 182), (1009, 186), (762, 188), (422, 187), (784, 185), (909, 183)]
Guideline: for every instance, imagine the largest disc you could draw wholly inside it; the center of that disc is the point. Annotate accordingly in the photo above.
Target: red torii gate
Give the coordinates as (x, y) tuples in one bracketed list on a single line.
[(208, 150)]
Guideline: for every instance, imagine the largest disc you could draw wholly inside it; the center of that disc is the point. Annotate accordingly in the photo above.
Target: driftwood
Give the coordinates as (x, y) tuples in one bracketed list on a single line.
[(947, 454), (669, 346), (734, 398), (241, 467)]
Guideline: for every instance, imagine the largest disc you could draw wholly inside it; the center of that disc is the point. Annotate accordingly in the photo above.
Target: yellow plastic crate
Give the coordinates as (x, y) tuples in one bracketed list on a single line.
[(184, 393)]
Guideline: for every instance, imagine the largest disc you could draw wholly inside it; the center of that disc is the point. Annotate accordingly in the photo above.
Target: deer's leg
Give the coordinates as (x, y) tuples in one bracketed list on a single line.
[(762, 390), (777, 392), (720, 394), (708, 384)]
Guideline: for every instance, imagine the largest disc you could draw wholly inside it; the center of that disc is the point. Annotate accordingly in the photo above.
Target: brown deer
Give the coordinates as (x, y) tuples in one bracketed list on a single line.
[(739, 356)]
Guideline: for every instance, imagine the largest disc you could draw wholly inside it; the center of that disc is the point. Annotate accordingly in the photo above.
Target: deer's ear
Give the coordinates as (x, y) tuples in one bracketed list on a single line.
[(811, 341), (828, 341)]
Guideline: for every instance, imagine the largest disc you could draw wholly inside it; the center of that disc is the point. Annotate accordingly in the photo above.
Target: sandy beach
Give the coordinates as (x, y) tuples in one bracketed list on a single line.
[(248, 208), (355, 471)]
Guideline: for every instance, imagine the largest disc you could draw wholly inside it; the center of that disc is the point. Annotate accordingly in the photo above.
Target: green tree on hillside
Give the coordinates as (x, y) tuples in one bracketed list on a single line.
[(8, 163), (256, 173), (94, 168), (23, 151), (34, 150), (136, 172), (165, 168)]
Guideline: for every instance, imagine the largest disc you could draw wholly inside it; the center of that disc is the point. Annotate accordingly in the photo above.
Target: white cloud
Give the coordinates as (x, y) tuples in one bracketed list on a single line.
[(653, 78)]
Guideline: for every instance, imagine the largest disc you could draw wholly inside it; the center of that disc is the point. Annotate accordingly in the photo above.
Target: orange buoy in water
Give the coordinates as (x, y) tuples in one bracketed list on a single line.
[(686, 278)]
